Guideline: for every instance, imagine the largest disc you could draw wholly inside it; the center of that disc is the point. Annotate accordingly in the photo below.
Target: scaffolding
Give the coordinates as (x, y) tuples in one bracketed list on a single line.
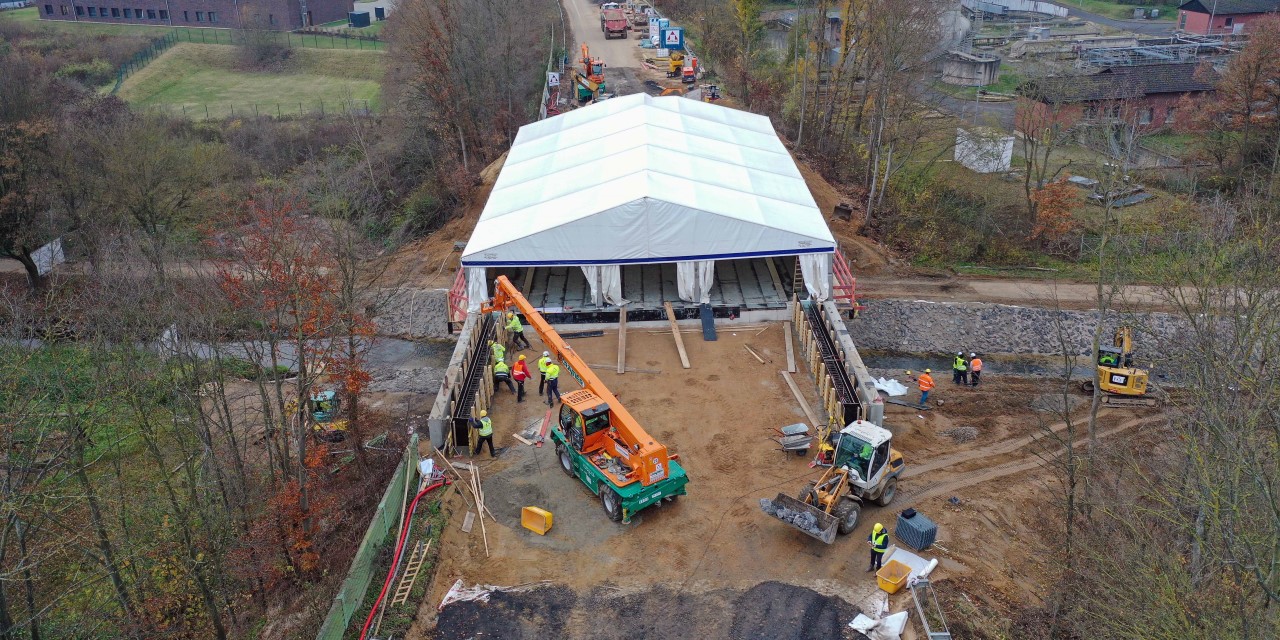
[(1181, 48)]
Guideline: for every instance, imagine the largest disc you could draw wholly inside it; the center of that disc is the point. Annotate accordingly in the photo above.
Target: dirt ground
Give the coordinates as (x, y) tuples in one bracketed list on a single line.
[(717, 416)]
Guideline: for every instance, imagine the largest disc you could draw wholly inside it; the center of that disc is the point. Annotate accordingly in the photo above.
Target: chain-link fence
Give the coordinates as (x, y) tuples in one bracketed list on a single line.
[(236, 37), (1138, 244), (224, 110)]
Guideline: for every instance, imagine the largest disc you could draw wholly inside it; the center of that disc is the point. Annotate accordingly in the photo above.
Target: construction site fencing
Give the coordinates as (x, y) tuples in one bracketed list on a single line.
[(223, 110), (1139, 244), (355, 586), (228, 36)]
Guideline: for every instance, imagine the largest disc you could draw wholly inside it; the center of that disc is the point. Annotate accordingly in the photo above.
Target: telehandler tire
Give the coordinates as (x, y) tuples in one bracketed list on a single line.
[(611, 503), (566, 460)]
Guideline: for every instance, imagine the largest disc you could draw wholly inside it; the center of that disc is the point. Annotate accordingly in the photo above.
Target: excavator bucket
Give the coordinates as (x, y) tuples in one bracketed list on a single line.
[(810, 520)]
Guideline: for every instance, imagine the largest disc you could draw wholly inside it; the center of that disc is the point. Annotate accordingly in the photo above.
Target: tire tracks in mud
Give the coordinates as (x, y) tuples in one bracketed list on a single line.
[(948, 482)]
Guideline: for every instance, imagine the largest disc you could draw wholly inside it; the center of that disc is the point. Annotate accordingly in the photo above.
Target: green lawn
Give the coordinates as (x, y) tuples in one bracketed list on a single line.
[(31, 19), (1113, 9), (196, 76)]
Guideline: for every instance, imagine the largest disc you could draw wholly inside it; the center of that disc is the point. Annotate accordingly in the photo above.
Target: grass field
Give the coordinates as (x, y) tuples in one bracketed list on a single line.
[(31, 20), (206, 75), (1113, 9)]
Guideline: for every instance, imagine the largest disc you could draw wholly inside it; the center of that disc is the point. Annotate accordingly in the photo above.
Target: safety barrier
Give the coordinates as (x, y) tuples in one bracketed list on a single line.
[(354, 587)]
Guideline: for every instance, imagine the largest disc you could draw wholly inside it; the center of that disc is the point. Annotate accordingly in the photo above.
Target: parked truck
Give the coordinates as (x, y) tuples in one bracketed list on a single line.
[(613, 22)]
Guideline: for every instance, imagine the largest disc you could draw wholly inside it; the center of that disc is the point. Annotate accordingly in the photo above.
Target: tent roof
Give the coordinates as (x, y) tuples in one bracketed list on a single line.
[(643, 179)]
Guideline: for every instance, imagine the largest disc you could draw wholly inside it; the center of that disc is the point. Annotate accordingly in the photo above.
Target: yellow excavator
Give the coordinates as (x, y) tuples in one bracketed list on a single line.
[(1122, 384)]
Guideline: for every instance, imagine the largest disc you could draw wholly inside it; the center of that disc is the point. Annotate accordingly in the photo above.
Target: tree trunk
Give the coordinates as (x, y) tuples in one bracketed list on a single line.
[(28, 585), (100, 531), (36, 281)]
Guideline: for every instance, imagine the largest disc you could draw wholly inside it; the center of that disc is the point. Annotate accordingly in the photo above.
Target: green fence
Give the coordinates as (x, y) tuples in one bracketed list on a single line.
[(228, 36), (356, 584), (221, 110)]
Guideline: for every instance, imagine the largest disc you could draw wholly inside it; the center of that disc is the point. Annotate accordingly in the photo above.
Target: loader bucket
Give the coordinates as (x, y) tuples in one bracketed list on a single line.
[(811, 520)]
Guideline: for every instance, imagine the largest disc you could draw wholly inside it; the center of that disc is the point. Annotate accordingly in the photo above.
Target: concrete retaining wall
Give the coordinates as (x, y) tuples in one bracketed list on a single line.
[(413, 313), (917, 326)]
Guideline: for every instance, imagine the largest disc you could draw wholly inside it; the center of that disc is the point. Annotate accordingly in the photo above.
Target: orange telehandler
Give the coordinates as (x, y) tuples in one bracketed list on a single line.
[(597, 440)]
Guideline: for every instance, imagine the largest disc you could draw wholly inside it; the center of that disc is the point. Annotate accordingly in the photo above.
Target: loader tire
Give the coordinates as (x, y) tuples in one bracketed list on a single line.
[(566, 460), (808, 496), (890, 490), (611, 503), (848, 513)]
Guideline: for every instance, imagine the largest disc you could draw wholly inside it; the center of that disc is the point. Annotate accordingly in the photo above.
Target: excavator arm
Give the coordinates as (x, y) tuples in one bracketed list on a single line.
[(625, 439)]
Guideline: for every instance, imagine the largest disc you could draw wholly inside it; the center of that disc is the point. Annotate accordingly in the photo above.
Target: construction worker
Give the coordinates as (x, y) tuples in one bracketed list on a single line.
[(516, 329), (879, 541), (502, 373), (975, 369), (553, 382), (926, 384), (484, 429), (960, 369), (520, 373), (499, 351), (542, 370)]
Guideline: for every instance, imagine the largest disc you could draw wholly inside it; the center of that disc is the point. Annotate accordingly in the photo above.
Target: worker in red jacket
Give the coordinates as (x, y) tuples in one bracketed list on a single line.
[(520, 373)]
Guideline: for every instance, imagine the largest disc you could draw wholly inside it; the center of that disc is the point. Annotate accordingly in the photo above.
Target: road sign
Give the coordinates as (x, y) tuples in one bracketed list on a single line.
[(653, 30), (673, 38), (553, 78)]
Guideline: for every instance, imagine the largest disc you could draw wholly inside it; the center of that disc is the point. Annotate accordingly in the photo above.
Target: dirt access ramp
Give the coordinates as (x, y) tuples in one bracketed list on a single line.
[(717, 416)]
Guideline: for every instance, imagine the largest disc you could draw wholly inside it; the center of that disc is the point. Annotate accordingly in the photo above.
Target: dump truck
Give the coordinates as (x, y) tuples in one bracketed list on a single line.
[(613, 22), (597, 440), (865, 467)]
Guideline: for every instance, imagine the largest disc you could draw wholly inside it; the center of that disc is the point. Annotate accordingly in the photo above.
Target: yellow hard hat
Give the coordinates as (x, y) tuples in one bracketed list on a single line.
[(484, 413), (511, 314), (908, 372), (490, 342), (877, 528), (522, 357), (928, 370)]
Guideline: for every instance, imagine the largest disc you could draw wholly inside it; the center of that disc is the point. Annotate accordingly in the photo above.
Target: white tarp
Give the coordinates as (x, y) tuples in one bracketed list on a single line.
[(639, 179), (694, 279), (48, 256), (816, 269), (891, 387), (477, 288), (611, 284)]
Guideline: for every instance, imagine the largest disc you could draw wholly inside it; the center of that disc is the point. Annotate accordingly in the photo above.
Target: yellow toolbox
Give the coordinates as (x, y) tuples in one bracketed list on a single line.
[(892, 576), (536, 520)]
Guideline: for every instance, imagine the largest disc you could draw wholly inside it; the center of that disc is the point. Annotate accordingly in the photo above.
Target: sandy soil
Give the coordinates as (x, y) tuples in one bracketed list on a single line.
[(716, 415)]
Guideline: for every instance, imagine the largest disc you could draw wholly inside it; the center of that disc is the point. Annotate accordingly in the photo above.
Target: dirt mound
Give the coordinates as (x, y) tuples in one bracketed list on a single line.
[(767, 610), (865, 256)]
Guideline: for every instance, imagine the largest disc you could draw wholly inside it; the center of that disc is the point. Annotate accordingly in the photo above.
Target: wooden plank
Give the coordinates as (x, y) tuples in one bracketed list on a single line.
[(521, 438), (622, 340), (528, 280), (791, 352), (777, 279), (675, 331), (468, 521), (753, 353), (629, 369), (804, 404)]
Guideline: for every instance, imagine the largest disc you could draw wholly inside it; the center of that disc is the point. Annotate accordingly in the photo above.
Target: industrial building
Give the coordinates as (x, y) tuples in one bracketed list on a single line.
[(276, 15)]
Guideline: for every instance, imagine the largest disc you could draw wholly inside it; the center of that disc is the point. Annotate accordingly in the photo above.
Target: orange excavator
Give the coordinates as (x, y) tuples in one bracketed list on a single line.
[(597, 440), (589, 81)]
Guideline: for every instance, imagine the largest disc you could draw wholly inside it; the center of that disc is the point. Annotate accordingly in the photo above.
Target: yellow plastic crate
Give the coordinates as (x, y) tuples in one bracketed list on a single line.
[(536, 520), (893, 576)]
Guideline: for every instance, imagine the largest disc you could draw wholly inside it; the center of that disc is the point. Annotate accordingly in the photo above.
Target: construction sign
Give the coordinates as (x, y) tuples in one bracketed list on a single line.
[(673, 39), (653, 30), (553, 78)]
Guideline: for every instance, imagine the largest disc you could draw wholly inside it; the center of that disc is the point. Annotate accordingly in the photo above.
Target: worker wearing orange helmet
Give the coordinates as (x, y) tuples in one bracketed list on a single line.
[(879, 541), (520, 373), (926, 384)]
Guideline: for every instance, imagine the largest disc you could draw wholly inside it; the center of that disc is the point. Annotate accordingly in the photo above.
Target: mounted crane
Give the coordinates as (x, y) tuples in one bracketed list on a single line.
[(597, 440)]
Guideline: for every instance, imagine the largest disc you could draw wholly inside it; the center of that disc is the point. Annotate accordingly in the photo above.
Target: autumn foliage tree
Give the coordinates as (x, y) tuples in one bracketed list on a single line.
[(1055, 205)]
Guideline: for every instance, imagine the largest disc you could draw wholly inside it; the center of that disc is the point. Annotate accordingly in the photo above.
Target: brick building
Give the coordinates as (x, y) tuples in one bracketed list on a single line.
[(279, 15), (1218, 17), (1147, 95)]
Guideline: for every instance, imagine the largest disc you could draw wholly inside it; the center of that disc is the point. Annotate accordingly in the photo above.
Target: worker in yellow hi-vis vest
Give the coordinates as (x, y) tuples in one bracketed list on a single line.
[(553, 383)]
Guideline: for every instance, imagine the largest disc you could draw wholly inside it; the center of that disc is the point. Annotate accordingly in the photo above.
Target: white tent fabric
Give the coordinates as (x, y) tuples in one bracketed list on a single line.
[(694, 279), (816, 270), (640, 179), (611, 284), (477, 288), (592, 272)]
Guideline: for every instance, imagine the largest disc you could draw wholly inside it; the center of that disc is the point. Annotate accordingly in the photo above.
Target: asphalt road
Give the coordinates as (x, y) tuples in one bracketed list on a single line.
[(620, 55)]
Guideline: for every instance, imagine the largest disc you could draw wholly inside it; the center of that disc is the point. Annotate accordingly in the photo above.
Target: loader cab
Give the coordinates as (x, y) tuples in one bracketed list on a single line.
[(584, 419), (1113, 357), (866, 449)]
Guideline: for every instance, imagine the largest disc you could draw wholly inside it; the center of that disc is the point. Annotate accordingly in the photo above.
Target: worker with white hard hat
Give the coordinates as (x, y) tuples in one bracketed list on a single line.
[(960, 369), (542, 369), (975, 369)]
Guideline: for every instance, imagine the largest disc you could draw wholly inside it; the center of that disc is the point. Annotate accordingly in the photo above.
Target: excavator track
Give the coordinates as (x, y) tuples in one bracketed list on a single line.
[(1129, 401)]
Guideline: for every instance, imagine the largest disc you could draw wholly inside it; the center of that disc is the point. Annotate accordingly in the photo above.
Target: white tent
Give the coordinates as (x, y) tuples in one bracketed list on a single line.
[(639, 179)]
